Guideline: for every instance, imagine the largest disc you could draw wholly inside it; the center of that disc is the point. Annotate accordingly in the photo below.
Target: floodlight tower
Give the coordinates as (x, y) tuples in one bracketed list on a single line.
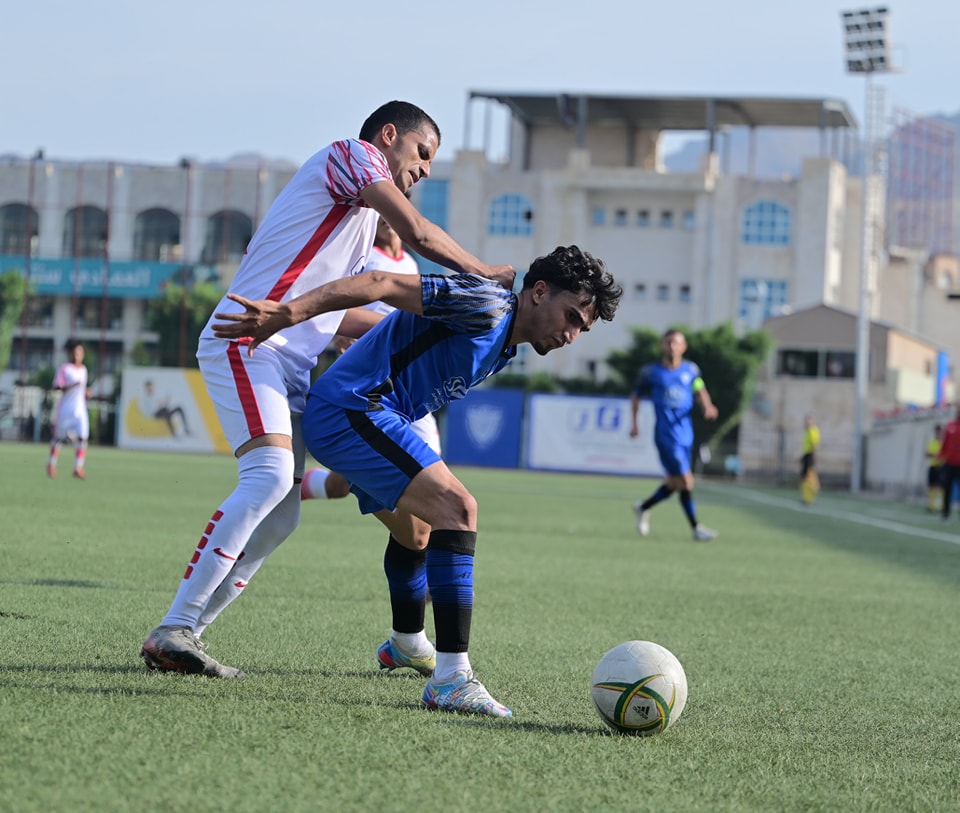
[(867, 52)]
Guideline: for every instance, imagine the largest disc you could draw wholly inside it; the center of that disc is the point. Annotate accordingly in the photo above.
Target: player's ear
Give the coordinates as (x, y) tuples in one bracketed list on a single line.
[(388, 133)]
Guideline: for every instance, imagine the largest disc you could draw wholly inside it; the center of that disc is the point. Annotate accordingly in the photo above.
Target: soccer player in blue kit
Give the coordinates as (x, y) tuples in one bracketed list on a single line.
[(457, 331), (672, 384)]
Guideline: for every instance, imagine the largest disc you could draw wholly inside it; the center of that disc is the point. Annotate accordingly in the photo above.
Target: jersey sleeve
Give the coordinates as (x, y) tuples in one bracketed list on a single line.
[(352, 166), (643, 387), (60, 379), (697, 382), (466, 303)]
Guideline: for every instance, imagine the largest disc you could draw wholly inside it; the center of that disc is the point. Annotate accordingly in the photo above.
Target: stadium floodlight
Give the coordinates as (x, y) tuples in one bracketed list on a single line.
[(867, 52)]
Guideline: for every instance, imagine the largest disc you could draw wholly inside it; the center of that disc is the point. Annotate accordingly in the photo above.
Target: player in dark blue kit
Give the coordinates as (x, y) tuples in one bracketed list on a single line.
[(457, 331), (672, 384)]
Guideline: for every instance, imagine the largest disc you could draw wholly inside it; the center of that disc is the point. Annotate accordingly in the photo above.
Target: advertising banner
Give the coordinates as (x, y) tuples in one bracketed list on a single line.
[(590, 434), (484, 429), (166, 408)]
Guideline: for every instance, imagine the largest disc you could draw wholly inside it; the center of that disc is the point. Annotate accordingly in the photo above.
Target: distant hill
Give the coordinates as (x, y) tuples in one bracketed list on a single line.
[(778, 151)]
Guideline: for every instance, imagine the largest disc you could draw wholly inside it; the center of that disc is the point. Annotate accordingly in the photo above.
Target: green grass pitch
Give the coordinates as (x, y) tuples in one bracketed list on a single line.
[(821, 646)]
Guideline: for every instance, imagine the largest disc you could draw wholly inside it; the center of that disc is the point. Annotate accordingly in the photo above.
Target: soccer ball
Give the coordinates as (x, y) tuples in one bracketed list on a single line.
[(639, 687)]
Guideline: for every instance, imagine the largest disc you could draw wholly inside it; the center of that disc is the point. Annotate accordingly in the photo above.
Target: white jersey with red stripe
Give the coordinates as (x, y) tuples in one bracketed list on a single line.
[(379, 260), (317, 230), (72, 415)]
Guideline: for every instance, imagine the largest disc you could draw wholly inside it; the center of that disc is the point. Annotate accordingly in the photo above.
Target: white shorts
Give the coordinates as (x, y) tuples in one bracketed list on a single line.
[(253, 395), (427, 430), (72, 425)]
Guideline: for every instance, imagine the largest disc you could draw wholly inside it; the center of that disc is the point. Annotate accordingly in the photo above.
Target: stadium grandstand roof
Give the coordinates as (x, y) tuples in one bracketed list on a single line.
[(672, 112)]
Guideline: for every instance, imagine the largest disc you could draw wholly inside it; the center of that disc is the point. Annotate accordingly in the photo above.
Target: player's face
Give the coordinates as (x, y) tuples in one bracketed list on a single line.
[(410, 156), (76, 354), (559, 318), (674, 346)]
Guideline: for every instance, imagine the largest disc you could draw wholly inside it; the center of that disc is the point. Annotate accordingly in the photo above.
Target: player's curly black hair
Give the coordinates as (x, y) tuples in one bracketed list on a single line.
[(572, 269), (406, 117)]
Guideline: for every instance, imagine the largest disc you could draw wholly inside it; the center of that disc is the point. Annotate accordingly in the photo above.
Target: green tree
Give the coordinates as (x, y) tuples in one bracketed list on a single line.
[(164, 317), (729, 365), (13, 294)]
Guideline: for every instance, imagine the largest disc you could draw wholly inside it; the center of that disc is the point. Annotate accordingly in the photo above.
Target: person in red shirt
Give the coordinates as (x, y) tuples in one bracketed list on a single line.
[(950, 458)]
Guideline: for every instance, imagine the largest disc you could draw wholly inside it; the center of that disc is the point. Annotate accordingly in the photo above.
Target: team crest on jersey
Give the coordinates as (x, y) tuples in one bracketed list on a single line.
[(484, 422)]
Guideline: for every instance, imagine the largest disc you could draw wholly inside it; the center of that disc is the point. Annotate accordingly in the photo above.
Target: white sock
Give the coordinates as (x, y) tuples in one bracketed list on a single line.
[(265, 477), (412, 643), (314, 485), (275, 528), (448, 664)]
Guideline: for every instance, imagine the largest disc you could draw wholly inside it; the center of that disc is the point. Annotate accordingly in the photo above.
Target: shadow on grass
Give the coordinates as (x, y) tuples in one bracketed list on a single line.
[(62, 583)]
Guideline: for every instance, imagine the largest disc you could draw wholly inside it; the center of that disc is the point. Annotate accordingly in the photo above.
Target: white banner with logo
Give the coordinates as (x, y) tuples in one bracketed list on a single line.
[(590, 434)]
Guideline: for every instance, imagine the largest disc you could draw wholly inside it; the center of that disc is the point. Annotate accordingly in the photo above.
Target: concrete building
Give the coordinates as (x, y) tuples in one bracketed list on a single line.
[(98, 240)]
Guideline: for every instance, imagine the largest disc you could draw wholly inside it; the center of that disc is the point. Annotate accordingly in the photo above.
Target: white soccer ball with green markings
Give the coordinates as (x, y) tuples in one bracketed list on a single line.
[(639, 687)]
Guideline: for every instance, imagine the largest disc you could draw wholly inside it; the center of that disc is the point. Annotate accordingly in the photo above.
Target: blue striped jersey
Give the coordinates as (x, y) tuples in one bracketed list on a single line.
[(415, 364)]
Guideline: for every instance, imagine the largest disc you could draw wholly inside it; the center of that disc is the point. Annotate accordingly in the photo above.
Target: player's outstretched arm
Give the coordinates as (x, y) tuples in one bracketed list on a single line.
[(262, 318), (710, 411), (427, 238)]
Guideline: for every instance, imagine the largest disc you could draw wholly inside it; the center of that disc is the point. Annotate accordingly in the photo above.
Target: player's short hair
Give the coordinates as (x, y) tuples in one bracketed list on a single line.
[(572, 269), (406, 117), (672, 331), (71, 343)]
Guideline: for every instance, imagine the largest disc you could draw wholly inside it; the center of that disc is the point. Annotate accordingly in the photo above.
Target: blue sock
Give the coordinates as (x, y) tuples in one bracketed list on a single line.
[(686, 500), (450, 574), (406, 572), (658, 496)]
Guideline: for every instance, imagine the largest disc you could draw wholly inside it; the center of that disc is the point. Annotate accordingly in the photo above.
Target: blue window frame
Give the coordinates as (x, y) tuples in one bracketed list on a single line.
[(766, 223), (769, 295), (433, 204), (510, 215)]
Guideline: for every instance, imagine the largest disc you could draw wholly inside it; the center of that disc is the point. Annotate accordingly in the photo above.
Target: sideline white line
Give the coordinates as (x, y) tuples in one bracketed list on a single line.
[(849, 516)]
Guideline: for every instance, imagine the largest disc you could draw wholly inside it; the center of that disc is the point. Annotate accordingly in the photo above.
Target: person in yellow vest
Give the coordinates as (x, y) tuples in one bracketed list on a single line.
[(934, 472), (809, 482)]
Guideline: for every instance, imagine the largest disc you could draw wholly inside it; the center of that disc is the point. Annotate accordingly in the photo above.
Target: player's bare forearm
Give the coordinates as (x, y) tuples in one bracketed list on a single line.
[(427, 238), (260, 319)]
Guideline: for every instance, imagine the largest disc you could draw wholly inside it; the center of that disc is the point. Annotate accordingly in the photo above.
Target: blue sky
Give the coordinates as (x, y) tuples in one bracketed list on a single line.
[(210, 79)]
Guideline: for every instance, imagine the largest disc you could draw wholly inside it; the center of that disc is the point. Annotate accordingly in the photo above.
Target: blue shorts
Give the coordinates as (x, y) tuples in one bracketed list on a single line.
[(675, 459), (377, 452)]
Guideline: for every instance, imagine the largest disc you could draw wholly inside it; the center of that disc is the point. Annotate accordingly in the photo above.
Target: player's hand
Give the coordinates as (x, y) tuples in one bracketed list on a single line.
[(259, 321), (634, 431), (504, 274), (710, 412)]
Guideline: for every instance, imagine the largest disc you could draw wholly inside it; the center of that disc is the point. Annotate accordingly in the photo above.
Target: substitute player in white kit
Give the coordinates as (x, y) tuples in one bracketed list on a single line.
[(72, 421), (320, 228)]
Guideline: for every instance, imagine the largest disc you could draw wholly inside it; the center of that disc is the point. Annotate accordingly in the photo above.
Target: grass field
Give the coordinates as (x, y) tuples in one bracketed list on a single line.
[(820, 645)]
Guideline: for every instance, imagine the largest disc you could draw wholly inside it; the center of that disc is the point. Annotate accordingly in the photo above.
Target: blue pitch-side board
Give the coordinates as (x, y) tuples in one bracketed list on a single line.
[(484, 429)]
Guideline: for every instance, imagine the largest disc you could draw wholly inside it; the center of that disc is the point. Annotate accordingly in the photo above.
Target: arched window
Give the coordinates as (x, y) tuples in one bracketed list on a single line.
[(85, 232), (766, 223), (510, 215), (228, 233), (156, 236), (19, 224)]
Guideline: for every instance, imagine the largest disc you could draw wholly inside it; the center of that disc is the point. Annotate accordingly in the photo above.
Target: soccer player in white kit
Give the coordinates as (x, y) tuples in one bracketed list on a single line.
[(320, 228), (72, 421), (388, 255)]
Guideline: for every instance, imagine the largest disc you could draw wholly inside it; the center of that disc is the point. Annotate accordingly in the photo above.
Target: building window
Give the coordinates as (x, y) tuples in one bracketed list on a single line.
[(510, 215), (97, 312), (666, 219), (156, 236), (85, 232), (640, 292), (761, 298), (684, 294), (620, 217), (663, 292), (19, 226), (228, 233), (599, 217), (841, 364), (688, 220), (798, 363), (433, 203), (766, 223), (643, 218)]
